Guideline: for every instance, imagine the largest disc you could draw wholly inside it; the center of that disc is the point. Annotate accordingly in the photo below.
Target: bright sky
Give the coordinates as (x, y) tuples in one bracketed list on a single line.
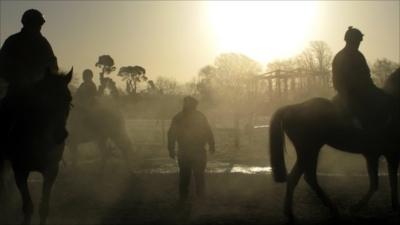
[(178, 38)]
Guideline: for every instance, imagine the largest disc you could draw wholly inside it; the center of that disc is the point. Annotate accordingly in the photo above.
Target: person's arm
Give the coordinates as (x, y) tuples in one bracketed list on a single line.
[(210, 137), (335, 75), (364, 66), (172, 138), (53, 64), (4, 57)]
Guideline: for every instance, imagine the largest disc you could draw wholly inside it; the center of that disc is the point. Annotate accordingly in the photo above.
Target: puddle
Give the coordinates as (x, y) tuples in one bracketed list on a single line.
[(215, 168), (251, 170)]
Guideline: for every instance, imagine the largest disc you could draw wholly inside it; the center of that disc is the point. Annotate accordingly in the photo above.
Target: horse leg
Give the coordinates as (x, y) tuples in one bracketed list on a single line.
[(2, 178), (49, 178), (124, 144), (292, 180), (310, 176), (21, 179), (73, 147), (372, 166), (104, 152), (393, 166), (3, 187)]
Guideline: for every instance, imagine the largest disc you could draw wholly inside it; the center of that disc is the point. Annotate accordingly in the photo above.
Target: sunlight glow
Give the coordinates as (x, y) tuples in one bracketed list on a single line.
[(262, 30)]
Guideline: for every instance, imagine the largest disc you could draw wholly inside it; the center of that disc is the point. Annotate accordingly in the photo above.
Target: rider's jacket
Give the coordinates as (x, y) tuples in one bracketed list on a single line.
[(86, 93), (25, 57), (350, 72)]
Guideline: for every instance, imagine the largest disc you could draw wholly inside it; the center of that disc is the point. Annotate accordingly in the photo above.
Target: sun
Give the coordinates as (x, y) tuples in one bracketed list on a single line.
[(263, 30)]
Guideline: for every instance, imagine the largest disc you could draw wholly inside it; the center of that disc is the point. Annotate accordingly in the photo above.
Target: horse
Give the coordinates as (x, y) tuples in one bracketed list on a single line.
[(98, 124), (318, 122), (31, 142)]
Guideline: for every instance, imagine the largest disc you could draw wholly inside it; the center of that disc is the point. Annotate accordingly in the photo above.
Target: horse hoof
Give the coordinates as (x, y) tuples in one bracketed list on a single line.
[(335, 217), (291, 218), (355, 208), (26, 222), (291, 221)]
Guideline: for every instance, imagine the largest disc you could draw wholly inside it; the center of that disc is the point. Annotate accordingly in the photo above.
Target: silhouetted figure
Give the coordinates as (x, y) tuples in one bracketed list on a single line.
[(190, 129), (24, 59), (26, 55), (91, 121), (352, 79), (316, 122), (87, 91), (30, 144)]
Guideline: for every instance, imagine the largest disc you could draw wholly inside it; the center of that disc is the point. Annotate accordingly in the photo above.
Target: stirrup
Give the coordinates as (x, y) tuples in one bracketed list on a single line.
[(357, 123)]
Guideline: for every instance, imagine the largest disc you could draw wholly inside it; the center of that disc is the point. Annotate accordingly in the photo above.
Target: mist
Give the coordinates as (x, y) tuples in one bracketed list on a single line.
[(153, 113)]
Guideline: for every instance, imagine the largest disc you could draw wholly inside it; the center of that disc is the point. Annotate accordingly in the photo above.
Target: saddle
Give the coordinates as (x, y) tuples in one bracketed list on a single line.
[(373, 116)]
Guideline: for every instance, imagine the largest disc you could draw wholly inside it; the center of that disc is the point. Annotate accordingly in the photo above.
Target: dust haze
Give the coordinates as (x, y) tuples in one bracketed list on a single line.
[(118, 166)]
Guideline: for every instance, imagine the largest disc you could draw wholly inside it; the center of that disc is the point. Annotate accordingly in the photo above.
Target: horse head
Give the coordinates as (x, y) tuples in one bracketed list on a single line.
[(52, 92), (392, 84)]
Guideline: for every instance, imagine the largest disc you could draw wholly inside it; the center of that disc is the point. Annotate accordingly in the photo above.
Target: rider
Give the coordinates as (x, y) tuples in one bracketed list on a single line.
[(352, 79), (25, 57), (87, 91)]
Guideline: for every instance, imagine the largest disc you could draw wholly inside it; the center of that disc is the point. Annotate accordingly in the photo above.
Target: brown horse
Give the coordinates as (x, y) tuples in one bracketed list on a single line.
[(318, 122), (31, 143), (98, 124)]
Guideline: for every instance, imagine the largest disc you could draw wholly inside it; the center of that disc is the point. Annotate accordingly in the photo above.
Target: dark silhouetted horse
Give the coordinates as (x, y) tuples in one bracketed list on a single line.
[(99, 125), (317, 122), (31, 143)]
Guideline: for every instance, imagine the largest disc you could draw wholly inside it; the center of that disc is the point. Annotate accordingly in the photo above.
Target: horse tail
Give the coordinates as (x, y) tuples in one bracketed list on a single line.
[(277, 144)]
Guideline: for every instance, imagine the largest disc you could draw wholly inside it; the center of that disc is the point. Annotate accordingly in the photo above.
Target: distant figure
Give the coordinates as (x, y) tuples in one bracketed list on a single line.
[(87, 91), (352, 79), (191, 130), (24, 59)]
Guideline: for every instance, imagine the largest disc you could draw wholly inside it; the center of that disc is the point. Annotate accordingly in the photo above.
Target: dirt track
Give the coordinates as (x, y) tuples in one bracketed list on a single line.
[(119, 197)]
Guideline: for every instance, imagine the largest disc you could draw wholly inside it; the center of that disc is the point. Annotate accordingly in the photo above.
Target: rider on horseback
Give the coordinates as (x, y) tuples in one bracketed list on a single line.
[(87, 91), (25, 57), (352, 79)]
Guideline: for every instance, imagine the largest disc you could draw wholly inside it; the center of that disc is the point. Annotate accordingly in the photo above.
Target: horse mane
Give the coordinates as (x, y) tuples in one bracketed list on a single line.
[(392, 84), (46, 102)]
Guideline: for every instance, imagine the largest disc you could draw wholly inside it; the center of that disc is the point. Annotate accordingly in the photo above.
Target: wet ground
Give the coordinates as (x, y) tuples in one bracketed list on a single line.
[(240, 189), (236, 194)]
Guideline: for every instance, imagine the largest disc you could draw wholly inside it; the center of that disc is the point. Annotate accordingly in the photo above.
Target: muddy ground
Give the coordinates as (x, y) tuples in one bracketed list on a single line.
[(240, 189), (85, 195)]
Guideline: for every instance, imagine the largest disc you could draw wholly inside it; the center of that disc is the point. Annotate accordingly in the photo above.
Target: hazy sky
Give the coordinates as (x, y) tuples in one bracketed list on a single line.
[(178, 38)]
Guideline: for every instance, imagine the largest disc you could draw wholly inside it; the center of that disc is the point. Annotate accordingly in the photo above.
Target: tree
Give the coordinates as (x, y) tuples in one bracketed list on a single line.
[(233, 76), (106, 64), (204, 85), (167, 86), (382, 68), (317, 58), (283, 64), (132, 75), (230, 81)]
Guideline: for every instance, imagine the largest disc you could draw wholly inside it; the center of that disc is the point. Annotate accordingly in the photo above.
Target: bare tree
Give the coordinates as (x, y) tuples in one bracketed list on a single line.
[(283, 64), (317, 58), (167, 86), (382, 68), (230, 80)]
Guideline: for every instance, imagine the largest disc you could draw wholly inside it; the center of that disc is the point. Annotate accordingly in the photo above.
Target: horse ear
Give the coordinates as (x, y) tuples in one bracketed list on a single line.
[(48, 72), (68, 78)]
